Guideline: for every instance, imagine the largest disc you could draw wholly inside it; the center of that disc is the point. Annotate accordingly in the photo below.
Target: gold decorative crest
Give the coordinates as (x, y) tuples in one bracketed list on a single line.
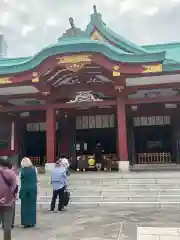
[(116, 71), (5, 80), (35, 77), (152, 68), (74, 59)]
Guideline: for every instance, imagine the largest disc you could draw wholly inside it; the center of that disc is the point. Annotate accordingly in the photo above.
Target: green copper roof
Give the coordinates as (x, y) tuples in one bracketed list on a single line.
[(96, 22), (8, 66), (172, 50)]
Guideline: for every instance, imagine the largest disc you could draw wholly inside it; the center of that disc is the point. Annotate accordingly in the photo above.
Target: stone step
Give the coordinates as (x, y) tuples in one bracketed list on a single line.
[(116, 192), (114, 188), (115, 181), (149, 176), (174, 205), (44, 206), (122, 180), (127, 188), (127, 197), (125, 181), (109, 175)]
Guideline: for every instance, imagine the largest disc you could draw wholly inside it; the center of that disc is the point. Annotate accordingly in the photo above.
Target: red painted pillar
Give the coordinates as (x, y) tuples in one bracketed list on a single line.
[(50, 135), (122, 133)]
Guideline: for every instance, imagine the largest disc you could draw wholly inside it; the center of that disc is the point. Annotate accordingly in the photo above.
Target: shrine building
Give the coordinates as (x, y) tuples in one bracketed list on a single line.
[(92, 86)]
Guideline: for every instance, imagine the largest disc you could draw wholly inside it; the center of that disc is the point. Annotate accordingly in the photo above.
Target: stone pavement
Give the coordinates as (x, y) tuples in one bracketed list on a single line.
[(103, 223), (152, 233)]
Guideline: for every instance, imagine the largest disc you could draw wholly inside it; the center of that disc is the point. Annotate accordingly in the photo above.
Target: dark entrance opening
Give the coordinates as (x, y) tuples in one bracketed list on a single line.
[(91, 130), (153, 144), (34, 145), (87, 139)]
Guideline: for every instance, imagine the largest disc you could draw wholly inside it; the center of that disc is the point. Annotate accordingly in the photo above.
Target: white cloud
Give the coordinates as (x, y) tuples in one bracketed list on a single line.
[(26, 30), (51, 22), (125, 6), (152, 11), (5, 18), (133, 19)]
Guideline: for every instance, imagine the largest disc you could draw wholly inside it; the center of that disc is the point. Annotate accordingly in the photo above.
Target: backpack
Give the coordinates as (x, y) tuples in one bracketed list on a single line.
[(3, 193)]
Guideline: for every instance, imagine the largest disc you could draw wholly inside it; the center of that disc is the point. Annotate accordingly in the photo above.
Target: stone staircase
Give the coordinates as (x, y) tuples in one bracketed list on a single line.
[(141, 189)]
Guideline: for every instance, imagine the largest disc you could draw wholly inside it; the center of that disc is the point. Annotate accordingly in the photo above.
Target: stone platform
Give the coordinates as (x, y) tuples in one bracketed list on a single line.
[(103, 223)]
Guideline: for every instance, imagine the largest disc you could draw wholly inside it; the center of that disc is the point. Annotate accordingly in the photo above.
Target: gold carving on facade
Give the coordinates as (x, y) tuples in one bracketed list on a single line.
[(116, 71), (5, 80), (74, 59), (75, 62), (152, 68), (84, 96), (35, 77), (74, 67)]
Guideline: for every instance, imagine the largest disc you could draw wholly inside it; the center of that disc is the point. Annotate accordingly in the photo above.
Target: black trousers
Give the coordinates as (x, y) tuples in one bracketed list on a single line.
[(6, 217), (58, 193)]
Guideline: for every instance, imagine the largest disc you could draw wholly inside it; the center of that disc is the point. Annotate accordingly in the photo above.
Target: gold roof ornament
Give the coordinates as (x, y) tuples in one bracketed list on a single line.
[(152, 68), (35, 77), (116, 71)]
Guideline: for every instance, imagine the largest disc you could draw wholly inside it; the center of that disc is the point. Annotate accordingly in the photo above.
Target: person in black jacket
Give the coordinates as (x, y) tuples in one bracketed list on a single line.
[(98, 154)]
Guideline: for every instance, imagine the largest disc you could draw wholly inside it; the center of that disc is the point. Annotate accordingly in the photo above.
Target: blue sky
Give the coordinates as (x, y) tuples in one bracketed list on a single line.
[(29, 25)]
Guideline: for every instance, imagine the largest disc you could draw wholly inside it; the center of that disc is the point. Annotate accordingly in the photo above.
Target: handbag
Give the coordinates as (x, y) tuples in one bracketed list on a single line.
[(67, 196)]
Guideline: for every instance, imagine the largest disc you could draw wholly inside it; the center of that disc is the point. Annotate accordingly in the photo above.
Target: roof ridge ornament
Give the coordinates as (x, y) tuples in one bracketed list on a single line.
[(95, 9), (96, 17), (72, 32), (71, 21)]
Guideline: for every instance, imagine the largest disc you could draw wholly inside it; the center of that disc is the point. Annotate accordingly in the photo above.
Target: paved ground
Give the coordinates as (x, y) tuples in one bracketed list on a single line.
[(105, 223), (158, 233)]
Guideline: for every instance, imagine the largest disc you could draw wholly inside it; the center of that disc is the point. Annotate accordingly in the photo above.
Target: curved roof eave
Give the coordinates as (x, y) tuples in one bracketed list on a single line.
[(77, 46), (119, 41), (171, 67)]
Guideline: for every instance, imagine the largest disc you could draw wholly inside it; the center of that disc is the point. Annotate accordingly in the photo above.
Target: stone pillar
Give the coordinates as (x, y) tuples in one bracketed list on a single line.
[(122, 135), (50, 137)]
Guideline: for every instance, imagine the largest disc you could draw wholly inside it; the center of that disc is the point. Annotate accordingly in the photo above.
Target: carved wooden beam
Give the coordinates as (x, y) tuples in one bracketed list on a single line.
[(56, 106), (43, 87), (69, 91)]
